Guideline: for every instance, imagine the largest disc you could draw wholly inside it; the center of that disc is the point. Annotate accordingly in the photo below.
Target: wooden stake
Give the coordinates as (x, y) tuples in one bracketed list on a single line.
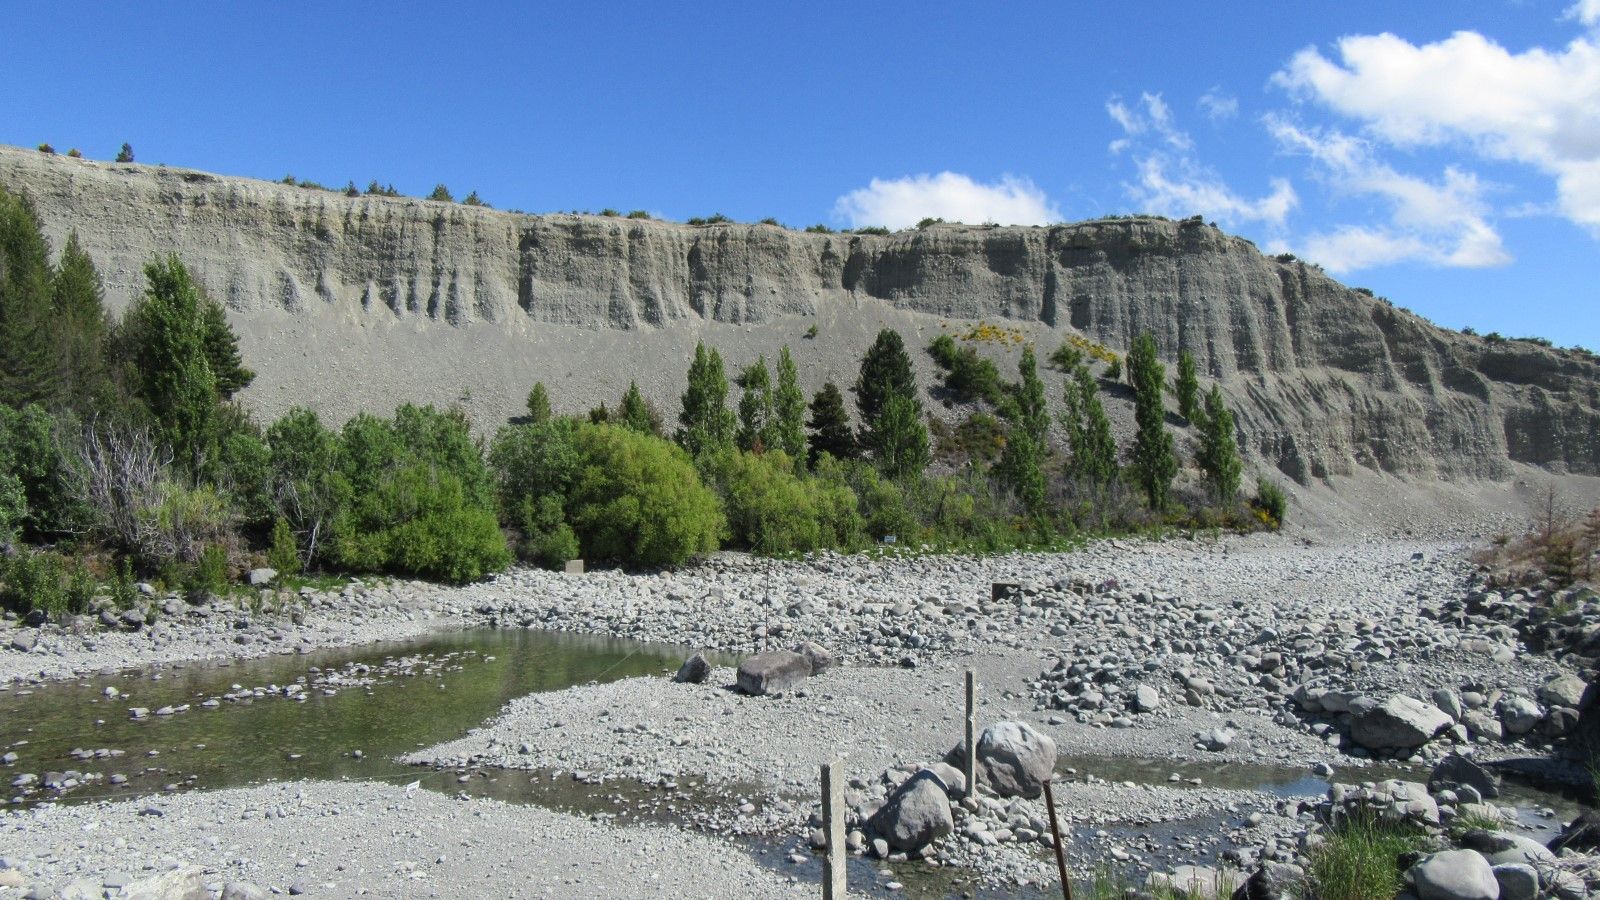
[(969, 762), (1055, 831), (834, 882)]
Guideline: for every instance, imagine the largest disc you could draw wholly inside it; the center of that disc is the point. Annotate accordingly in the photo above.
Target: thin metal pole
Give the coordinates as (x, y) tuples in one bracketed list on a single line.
[(834, 882), (1055, 830), (969, 761)]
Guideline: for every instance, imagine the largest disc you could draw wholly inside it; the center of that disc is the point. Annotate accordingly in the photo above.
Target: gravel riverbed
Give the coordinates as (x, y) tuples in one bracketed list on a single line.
[(1182, 650)]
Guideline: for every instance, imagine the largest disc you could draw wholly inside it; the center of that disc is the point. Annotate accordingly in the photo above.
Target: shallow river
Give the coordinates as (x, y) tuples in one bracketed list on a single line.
[(349, 713)]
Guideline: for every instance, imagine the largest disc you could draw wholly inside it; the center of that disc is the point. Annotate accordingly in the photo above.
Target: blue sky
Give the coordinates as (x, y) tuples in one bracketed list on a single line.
[(1444, 154)]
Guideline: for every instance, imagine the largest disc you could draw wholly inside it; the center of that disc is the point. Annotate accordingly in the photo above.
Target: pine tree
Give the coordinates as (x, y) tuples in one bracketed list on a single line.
[(538, 404), (830, 426), (1219, 454), (440, 192), (635, 412), (707, 423), (1154, 462), (172, 369), (27, 370), (125, 155), (1021, 464), (1094, 457), (755, 407), (222, 350), (885, 371), (789, 409), (80, 320), (900, 446), (1188, 387)]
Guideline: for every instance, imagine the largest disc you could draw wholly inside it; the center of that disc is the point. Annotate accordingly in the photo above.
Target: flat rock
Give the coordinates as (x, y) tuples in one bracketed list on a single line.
[(1456, 770), (1399, 722), (773, 672)]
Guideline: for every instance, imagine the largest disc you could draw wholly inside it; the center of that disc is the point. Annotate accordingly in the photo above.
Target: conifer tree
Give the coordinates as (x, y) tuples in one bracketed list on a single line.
[(538, 404), (885, 371), (27, 370), (1187, 389), (222, 350), (80, 321), (707, 423), (171, 361), (830, 426), (789, 409), (755, 408), (635, 412), (1219, 453), (1154, 462), (125, 155)]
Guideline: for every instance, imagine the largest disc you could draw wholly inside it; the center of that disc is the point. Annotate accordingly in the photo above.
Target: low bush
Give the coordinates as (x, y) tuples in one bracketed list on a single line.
[(967, 375), (43, 580), (638, 499), (772, 510), (420, 520), (1271, 503)]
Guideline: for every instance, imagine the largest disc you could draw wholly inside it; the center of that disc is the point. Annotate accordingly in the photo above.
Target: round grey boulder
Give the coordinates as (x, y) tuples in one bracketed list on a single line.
[(695, 670), (1015, 760), (1455, 875), (916, 814)]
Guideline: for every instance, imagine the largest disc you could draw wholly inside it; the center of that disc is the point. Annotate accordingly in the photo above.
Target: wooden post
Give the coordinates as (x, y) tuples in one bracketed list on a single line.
[(969, 761), (834, 882), (1055, 830)]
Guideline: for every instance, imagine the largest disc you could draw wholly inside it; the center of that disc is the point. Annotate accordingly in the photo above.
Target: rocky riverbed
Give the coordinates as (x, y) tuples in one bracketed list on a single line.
[(1239, 651)]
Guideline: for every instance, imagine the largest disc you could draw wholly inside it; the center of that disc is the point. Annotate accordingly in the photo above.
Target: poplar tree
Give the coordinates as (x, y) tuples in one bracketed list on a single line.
[(1021, 464), (707, 423), (1154, 462), (789, 409), (1094, 455), (830, 426), (755, 408), (1219, 453), (901, 450), (1187, 388)]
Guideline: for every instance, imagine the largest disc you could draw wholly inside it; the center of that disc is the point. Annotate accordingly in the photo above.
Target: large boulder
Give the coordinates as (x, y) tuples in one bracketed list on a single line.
[(695, 670), (773, 672), (1398, 723), (1455, 875), (1563, 690), (1015, 759), (1193, 883), (1517, 881), (1519, 715), (1456, 770), (1273, 881), (916, 814), (1582, 835)]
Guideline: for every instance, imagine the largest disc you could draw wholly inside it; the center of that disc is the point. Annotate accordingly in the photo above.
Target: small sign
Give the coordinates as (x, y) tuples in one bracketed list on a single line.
[(574, 567)]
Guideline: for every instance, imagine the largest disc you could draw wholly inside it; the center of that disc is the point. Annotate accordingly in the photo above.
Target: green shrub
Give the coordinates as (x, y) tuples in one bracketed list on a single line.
[(966, 374), (771, 510), (210, 575), (421, 521), (13, 507), (1270, 502), (532, 461), (307, 485), (124, 590), (638, 214), (547, 538), (81, 587), (284, 552), (638, 499), (1114, 369), (36, 580)]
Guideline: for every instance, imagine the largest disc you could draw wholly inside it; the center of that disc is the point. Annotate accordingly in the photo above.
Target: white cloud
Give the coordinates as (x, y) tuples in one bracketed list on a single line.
[(903, 202), (1538, 107), (1153, 116), (1173, 183), (1195, 192), (1443, 223), (1220, 106)]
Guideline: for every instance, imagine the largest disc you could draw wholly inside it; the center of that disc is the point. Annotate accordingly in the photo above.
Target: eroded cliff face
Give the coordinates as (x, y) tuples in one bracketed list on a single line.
[(1327, 380)]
